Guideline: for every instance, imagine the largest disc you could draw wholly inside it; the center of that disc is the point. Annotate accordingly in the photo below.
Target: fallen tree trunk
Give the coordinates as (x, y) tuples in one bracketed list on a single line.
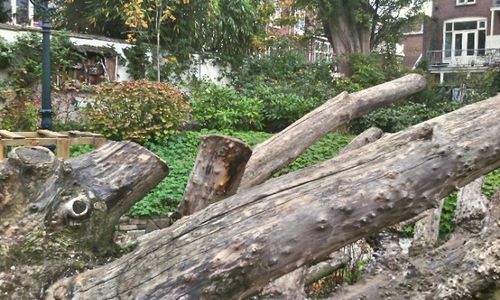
[(291, 285), (285, 146), (236, 246), (57, 215)]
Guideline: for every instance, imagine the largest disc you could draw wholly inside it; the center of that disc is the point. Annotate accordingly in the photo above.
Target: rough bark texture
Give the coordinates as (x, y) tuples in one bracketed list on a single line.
[(291, 286), (426, 230), (366, 137), (216, 174), (55, 212), (235, 247), (471, 206), (286, 146), (465, 267)]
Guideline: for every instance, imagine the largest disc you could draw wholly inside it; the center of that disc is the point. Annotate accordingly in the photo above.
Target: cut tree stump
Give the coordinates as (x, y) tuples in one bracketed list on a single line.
[(285, 146), (58, 216), (234, 247), (217, 173)]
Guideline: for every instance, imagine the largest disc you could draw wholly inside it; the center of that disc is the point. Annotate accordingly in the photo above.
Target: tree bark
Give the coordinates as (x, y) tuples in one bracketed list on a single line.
[(286, 146), (291, 286), (234, 247), (217, 173), (471, 206), (58, 214), (366, 137), (465, 267), (426, 231)]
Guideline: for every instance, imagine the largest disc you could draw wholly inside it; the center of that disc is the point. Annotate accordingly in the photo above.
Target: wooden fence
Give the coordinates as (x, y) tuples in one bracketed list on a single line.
[(62, 140)]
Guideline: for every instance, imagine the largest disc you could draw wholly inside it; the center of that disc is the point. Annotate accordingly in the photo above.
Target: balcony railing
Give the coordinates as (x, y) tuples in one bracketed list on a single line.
[(465, 58)]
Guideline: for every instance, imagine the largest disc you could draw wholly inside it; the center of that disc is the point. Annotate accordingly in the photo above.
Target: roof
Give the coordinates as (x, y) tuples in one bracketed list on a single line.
[(103, 50)]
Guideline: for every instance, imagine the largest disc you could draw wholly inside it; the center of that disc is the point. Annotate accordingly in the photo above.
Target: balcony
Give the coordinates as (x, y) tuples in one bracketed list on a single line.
[(468, 59)]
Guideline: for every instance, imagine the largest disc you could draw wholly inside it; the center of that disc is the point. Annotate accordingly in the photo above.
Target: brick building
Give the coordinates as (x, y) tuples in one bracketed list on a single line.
[(460, 36)]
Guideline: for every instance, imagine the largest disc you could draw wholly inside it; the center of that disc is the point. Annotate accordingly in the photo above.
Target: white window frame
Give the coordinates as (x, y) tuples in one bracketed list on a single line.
[(453, 31), (465, 2)]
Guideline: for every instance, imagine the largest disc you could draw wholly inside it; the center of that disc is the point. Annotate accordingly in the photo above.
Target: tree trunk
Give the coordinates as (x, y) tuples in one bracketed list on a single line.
[(426, 231), (216, 174), (286, 146), (346, 34), (57, 215), (465, 267), (291, 286), (471, 206), (234, 247), (366, 137)]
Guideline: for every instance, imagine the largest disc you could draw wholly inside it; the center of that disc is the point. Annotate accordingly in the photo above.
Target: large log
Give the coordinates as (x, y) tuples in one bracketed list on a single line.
[(291, 286), (234, 247), (285, 146), (59, 216)]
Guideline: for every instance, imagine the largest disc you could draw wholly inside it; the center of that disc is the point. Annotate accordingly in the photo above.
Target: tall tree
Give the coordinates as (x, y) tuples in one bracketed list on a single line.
[(359, 26), (180, 28)]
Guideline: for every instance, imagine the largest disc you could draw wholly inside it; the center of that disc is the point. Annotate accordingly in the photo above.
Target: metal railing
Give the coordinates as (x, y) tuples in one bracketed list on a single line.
[(464, 58)]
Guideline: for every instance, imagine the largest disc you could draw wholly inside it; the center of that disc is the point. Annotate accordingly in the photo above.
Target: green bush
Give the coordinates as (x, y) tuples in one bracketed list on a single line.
[(217, 107), (141, 111), (19, 114), (280, 109), (400, 116), (287, 84), (324, 149), (491, 183)]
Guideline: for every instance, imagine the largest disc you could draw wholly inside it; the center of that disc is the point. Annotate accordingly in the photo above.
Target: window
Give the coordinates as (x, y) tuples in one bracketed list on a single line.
[(464, 37), (465, 2)]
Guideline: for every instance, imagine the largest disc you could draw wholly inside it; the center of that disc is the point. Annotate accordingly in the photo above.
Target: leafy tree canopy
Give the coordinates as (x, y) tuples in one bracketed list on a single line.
[(226, 27)]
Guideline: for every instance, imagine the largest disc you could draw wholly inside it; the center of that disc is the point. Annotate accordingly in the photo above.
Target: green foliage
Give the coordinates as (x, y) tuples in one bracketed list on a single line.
[(137, 61), (22, 60), (491, 183), (141, 111), (324, 149), (5, 53), (446, 224), (367, 70), (286, 83), (18, 114), (77, 150), (218, 107), (403, 115), (25, 64)]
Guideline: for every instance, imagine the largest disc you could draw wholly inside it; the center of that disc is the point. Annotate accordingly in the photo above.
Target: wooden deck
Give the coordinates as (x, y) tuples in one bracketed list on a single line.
[(62, 140)]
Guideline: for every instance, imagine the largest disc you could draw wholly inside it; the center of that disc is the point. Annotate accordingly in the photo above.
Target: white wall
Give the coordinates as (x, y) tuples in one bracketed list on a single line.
[(492, 42), (203, 70)]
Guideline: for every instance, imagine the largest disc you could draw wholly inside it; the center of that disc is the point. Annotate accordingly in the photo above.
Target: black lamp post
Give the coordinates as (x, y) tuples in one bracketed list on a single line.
[(46, 112)]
